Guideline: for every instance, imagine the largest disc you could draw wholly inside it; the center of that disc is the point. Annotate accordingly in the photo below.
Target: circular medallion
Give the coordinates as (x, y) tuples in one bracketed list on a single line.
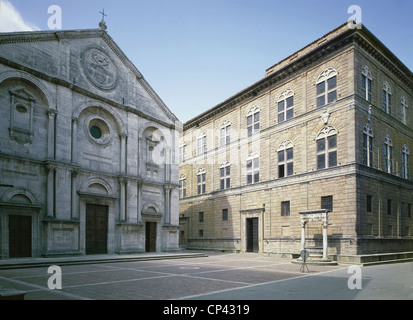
[(100, 69)]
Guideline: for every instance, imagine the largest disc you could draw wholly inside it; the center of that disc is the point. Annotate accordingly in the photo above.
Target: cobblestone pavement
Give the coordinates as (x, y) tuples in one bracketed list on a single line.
[(218, 276)]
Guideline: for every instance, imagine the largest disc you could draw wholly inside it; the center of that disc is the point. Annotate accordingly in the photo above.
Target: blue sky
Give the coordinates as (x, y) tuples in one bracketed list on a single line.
[(197, 53)]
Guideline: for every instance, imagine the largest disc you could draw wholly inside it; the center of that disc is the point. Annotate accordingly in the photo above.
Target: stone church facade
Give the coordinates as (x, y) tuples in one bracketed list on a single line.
[(87, 150), (328, 129)]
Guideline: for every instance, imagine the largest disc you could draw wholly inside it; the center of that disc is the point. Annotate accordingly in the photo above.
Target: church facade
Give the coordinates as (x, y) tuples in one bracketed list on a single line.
[(87, 150), (328, 130)]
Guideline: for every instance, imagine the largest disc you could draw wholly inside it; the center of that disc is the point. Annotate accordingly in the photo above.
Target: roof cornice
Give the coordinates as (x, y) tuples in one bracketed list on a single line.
[(363, 37), (339, 42)]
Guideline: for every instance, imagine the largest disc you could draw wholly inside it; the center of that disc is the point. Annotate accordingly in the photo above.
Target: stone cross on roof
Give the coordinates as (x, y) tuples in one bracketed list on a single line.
[(102, 23)]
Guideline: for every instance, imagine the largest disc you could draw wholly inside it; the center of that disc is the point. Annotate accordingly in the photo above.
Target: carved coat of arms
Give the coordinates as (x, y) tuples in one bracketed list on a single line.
[(100, 69)]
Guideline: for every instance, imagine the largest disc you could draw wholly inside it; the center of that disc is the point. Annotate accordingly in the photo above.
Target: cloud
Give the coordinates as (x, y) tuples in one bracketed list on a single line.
[(11, 20)]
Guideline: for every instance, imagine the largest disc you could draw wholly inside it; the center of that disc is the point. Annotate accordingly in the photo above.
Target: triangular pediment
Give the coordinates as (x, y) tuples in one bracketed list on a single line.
[(22, 94), (87, 59)]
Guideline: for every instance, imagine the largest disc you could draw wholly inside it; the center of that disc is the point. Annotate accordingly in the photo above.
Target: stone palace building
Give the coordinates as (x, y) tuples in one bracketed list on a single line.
[(314, 155), (87, 150)]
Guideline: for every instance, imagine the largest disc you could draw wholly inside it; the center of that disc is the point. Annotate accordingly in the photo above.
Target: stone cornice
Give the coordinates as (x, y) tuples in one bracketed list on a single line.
[(37, 36), (84, 92), (341, 42), (362, 37), (386, 59)]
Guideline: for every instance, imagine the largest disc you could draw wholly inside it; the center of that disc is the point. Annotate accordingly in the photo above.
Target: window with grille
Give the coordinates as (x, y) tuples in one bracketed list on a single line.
[(327, 203), (285, 208)]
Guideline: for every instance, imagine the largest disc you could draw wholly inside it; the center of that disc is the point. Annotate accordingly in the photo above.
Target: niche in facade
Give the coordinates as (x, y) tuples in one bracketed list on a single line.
[(21, 116), (154, 150)]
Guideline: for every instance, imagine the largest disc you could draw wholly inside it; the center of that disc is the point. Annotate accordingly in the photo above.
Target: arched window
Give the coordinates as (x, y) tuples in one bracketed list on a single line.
[(405, 162), (327, 148), (253, 168), (366, 79), (201, 180), (226, 133), (182, 152), (202, 144), (388, 154), (285, 159), (386, 97), (224, 173), (182, 186), (286, 106), (253, 120), (367, 146), (404, 109), (327, 87)]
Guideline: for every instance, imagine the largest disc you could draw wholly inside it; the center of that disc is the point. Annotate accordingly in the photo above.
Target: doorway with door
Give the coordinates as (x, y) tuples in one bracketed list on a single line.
[(96, 229), (150, 236), (20, 236), (252, 235)]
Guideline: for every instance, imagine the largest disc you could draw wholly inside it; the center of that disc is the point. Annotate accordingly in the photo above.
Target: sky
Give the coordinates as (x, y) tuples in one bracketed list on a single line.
[(197, 53)]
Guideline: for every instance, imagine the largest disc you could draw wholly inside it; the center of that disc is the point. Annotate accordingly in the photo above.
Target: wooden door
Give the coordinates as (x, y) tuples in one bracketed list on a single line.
[(96, 229), (150, 237), (20, 236), (252, 235)]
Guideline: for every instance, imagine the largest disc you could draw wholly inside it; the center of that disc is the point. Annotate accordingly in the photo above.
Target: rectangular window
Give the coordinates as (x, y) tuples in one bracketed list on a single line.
[(321, 161), (224, 214), (253, 171), (225, 177), (285, 208), (369, 203), (327, 203), (201, 233), (332, 155), (409, 210), (388, 206), (201, 216)]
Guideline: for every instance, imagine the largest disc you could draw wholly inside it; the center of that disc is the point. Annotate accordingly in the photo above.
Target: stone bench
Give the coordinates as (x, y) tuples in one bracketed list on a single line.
[(11, 294)]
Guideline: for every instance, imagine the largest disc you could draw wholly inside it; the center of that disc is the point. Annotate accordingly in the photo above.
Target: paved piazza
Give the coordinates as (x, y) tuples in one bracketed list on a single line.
[(216, 277)]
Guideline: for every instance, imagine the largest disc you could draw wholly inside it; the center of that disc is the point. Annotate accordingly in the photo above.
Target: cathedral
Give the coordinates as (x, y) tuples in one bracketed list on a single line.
[(87, 150)]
